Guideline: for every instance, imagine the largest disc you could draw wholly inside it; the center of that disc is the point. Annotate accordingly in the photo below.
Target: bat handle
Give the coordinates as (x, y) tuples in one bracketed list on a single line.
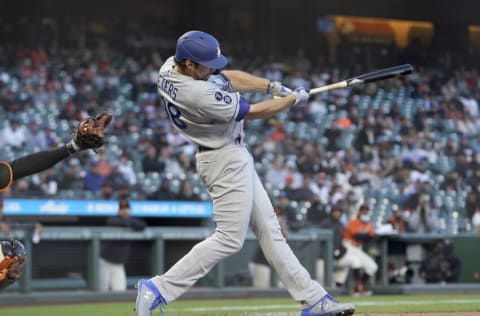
[(338, 85)]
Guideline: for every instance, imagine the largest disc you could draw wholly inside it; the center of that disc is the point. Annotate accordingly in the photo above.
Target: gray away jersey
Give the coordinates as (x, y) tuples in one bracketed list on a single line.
[(206, 112)]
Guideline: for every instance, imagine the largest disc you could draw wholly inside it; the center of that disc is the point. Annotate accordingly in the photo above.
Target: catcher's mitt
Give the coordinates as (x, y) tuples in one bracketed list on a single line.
[(12, 261), (90, 133)]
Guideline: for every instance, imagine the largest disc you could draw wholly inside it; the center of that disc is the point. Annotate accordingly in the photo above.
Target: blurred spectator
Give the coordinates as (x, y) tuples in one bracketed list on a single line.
[(474, 178), (358, 233), (321, 189), (413, 192), (163, 193), (72, 177), (451, 182), (107, 191), (336, 194), (451, 148), (185, 163), (176, 139), (14, 134), (285, 208), (476, 220), (462, 165), (397, 221), (294, 177), (114, 254), (104, 168), (170, 162), (317, 211), (48, 182), (307, 161), (35, 137), (424, 218), (470, 104), (93, 179), (277, 173), (24, 188), (186, 192), (334, 222), (278, 133), (288, 187), (68, 112), (51, 138), (333, 135), (441, 264), (412, 155), (150, 162), (365, 139), (419, 119), (125, 168), (471, 203), (304, 192), (116, 179), (353, 200)]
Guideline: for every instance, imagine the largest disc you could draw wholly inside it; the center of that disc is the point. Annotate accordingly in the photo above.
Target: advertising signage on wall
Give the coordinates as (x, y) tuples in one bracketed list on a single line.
[(20, 207)]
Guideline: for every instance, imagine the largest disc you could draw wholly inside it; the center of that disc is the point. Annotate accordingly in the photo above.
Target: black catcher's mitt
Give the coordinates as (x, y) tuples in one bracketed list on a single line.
[(90, 133), (12, 261)]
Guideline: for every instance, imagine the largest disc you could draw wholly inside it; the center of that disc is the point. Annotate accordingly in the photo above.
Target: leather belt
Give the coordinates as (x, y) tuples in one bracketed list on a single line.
[(203, 148), (238, 141)]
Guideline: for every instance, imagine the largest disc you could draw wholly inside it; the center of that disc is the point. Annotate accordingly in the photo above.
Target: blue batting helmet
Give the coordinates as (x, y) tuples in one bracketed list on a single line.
[(201, 48)]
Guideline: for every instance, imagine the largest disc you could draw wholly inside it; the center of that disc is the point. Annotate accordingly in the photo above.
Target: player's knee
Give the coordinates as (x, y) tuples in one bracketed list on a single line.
[(234, 246), (356, 264), (231, 242), (371, 268)]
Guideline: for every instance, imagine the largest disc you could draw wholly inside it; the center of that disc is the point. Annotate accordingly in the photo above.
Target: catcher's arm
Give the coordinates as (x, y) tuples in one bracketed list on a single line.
[(90, 133), (12, 262)]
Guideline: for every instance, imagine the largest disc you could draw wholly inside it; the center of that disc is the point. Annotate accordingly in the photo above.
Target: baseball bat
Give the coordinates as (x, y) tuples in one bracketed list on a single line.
[(377, 75)]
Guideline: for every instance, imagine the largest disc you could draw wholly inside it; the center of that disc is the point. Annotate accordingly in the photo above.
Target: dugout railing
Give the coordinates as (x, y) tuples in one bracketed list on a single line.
[(309, 245)]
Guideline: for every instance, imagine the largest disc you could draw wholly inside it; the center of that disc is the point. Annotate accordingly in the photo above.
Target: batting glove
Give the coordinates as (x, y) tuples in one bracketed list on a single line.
[(301, 95), (276, 89)]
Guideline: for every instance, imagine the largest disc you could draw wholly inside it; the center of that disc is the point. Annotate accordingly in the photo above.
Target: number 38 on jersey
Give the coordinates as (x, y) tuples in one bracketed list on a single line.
[(174, 113)]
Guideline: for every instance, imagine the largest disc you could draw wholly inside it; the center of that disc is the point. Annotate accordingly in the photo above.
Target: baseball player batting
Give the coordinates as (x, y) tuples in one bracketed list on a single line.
[(204, 104)]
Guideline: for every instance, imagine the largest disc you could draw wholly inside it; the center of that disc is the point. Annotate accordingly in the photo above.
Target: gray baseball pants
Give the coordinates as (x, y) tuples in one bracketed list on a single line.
[(239, 201)]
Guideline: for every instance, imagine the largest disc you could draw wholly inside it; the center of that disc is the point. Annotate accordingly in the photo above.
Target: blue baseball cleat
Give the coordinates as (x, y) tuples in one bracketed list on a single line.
[(148, 299), (328, 306)]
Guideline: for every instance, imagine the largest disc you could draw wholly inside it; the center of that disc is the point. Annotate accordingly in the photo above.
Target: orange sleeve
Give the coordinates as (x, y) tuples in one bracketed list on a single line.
[(6, 175), (356, 226), (352, 229), (371, 230)]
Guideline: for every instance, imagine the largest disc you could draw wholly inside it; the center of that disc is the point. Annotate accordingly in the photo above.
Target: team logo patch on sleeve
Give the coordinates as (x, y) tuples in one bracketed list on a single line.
[(227, 99), (218, 96)]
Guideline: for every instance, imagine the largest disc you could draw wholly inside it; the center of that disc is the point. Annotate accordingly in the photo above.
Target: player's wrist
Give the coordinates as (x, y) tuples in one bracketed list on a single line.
[(269, 87), (301, 95), (293, 98), (72, 147), (277, 89)]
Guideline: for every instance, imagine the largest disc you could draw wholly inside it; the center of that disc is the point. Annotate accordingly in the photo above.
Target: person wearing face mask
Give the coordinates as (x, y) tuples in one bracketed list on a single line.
[(358, 232)]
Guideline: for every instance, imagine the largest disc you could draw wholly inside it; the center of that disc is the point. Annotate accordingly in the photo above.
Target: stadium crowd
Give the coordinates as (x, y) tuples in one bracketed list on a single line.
[(409, 147)]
